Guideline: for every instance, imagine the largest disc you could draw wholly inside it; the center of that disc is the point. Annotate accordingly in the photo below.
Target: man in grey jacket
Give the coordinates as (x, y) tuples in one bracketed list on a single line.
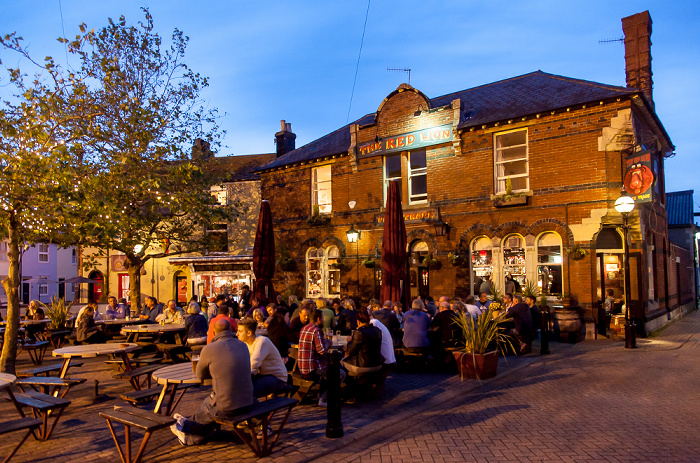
[(227, 363)]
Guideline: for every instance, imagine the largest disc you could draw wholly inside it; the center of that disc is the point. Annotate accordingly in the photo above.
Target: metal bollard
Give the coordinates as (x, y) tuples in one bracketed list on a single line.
[(630, 335), (334, 427), (544, 333)]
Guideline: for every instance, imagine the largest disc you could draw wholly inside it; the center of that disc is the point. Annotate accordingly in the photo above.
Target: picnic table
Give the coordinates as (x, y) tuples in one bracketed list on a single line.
[(94, 350), (174, 377), (133, 332)]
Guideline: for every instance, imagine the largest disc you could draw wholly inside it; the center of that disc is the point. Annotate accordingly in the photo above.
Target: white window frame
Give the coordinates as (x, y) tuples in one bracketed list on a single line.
[(221, 194), (559, 264), (496, 162), (43, 251), (43, 288), (74, 256), (423, 171), (318, 187), (324, 270), (388, 179)]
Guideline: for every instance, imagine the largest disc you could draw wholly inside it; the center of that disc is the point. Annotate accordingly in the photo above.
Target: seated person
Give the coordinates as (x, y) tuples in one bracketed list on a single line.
[(609, 301), (151, 310), (522, 318), (535, 312), (312, 353), (195, 326), (446, 323), (259, 317), (34, 329), (483, 303), (387, 343), (31, 310), (387, 316), (364, 352), (124, 307), (266, 364), (87, 332), (222, 315), (95, 309), (347, 320), (227, 362), (508, 301), (415, 327), (114, 310), (278, 332), (297, 323), (172, 315), (471, 307)]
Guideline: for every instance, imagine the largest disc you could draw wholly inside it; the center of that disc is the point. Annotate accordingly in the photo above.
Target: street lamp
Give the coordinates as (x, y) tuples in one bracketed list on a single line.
[(440, 226), (354, 237), (624, 205)]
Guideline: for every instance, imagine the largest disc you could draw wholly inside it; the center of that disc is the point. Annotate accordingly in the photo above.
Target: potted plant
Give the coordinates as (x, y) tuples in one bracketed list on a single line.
[(458, 260), (339, 264), (316, 218), (576, 252), (57, 312), (509, 198), (369, 263), (431, 262), (482, 340), (530, 288)]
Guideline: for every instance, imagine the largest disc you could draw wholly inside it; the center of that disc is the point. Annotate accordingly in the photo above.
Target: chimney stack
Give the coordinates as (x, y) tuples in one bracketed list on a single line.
[(637, 30), (201, 149), (285, 139)]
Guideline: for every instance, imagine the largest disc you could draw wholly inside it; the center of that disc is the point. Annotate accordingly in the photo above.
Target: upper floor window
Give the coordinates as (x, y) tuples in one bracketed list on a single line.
[(3, 251), (43, 252), (321, 189), (74, 256), (43, 288), (417, 177), (510, 153), (417, 171), (218, 235), (221, 194)]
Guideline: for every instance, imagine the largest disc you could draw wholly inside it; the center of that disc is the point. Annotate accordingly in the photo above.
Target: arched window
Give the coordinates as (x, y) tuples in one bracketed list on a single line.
[(322, 272), (514, 258), (549, 263), (481, 262)]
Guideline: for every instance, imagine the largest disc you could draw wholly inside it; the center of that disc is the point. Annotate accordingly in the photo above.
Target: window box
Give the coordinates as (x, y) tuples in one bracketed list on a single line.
[(318, 220), (369, 263), (509, 200)]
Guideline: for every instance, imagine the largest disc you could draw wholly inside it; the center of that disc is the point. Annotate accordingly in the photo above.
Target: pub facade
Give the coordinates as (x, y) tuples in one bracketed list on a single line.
[(511, 180)]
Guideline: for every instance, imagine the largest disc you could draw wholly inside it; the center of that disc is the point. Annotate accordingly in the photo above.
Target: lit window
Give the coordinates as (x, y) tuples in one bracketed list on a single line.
[(43, 252), (218, 237), (392, 171), (511, 161), (417, 178), (221, 194), (481, 261), (322, 274), (514, 258), (314, 272), (549, 260), (321, 189)]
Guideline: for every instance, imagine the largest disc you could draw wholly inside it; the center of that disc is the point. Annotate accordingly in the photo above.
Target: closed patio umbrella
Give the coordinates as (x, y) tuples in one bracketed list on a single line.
[(394, 287), (264, 255), (80, 280)]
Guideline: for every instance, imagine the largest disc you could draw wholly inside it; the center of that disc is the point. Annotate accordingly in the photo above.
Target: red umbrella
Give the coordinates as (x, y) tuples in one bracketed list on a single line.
[(264, 255), (394, 247)]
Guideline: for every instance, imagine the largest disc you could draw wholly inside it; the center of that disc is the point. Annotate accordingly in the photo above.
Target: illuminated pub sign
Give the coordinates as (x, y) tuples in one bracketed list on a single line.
[(407, 141), (410, 217), (640, 176)]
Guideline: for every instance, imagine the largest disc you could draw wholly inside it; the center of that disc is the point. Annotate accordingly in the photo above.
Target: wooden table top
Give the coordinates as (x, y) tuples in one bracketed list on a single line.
[(119, 321), (152, 328), (29, 322), (180, 373), (93, 350), (7, 380)]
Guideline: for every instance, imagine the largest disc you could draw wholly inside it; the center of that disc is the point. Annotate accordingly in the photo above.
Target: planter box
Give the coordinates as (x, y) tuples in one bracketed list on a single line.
[(477, 366), (519, 201)]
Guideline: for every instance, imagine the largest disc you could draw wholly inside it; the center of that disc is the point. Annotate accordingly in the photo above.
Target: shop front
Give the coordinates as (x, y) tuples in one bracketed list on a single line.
[(214, 275)]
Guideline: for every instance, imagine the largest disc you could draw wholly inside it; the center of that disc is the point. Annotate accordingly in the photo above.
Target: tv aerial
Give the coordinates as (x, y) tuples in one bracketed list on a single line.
[(407, 70)]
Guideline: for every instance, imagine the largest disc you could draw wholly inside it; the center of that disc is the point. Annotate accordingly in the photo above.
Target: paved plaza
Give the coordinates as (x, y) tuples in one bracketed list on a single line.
[(589, 402)]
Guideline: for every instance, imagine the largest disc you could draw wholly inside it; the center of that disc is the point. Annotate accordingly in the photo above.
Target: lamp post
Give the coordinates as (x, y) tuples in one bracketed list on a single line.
[(624, 205), (354, 237)]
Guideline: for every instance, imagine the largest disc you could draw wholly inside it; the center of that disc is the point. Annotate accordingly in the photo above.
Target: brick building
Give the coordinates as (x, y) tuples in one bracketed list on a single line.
[(524, 172)]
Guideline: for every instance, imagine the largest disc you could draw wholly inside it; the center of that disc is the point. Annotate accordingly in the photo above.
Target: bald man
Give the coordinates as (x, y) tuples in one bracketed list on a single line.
[(227, 363)]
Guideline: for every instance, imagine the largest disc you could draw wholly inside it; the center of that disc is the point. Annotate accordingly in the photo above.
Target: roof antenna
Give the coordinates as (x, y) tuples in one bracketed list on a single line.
[(408, 70), (621, 40)]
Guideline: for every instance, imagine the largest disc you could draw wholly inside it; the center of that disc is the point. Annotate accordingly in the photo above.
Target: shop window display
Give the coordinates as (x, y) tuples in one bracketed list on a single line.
[(549, 263), (481, 261), (514, 258)]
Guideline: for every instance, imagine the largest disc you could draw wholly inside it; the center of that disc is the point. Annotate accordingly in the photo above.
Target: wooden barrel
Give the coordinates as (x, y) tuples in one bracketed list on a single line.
[(567, 325)]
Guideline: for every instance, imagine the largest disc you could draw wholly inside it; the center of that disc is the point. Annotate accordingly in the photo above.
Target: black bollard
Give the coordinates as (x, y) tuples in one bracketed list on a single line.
[(544, 333), (334, 427), (630, 335)]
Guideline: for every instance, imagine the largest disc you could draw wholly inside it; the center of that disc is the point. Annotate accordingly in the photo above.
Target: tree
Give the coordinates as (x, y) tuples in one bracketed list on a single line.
[(149, 190), (42, 125)]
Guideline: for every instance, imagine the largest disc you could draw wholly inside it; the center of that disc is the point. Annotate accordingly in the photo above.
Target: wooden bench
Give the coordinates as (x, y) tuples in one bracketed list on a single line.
[(173, 351), (133, 375), (263, 411), (30, 424), (43, 405), (132, 416), (138, 361), (57, 338), (36, 350), (45, 369), (50, 385)]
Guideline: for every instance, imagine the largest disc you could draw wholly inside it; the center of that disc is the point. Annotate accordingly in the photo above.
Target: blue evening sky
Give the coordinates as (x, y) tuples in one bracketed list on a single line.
[(295, 60)]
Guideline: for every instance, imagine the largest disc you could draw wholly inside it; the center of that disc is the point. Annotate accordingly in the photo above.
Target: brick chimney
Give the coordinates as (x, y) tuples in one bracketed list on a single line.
[(285, 139), (637, 30)]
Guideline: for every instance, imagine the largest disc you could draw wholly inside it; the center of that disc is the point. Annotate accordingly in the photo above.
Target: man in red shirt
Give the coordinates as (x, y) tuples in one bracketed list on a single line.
[(312, 352), (223, 315)]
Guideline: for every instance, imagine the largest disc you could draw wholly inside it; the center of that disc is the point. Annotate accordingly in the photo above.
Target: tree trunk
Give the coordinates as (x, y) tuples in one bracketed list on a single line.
[(11, 285), (133, 266)]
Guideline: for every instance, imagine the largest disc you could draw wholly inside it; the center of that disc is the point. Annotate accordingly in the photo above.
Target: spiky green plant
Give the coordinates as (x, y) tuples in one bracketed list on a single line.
[(530, 288), (478, 335), (496, 295), (57, 312)]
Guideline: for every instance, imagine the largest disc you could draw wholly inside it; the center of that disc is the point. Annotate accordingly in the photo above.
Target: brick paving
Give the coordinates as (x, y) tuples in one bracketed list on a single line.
[(593, 401)]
